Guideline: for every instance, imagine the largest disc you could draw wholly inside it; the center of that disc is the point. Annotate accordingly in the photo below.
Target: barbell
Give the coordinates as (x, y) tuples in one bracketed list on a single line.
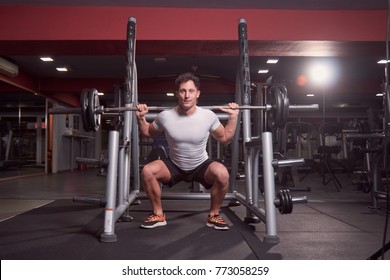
[(91, 110), (285, 202)]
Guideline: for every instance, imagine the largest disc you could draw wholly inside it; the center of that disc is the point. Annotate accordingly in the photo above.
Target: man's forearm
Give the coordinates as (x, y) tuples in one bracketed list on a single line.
[(230, 128), (143, 125)]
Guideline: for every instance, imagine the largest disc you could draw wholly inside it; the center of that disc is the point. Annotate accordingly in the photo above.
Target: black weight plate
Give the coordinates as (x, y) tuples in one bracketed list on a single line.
[(93, 104), (84, 109), (90, 114), (290, 204), (270, 114), (282, 202), (286, 104), (286, 206), (275, 115), (283, 90)]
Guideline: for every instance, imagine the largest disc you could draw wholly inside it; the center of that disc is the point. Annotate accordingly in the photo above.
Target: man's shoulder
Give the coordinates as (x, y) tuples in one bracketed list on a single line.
[(168, 112), (204, 110)]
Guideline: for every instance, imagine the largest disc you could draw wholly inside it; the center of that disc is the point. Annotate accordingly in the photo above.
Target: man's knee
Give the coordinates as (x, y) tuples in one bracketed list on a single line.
[(147, 173), (221, 174), (224, 174)]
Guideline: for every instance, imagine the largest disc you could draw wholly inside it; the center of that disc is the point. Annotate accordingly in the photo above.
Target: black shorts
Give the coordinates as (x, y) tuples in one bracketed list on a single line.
[(178, 175)]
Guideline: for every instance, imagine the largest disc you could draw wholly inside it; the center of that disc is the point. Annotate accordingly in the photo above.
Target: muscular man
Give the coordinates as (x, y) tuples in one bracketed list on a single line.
[(187, 128)]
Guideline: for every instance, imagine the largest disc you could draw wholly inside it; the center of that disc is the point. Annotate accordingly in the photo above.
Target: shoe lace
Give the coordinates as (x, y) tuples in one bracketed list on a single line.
[(152, 217), (218, 218)]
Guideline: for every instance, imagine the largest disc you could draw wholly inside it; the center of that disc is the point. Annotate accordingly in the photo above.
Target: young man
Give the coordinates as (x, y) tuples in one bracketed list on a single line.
[(187, 128)]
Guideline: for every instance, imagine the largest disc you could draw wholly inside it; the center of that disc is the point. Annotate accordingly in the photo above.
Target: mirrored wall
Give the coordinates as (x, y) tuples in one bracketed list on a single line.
[(23, 134)]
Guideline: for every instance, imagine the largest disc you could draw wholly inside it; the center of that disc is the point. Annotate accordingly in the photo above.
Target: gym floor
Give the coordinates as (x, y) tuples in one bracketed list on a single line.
[(39, 220)]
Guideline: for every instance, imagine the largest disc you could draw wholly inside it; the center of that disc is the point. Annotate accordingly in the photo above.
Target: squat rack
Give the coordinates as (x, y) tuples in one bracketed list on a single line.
[(118, 193), (123, 140)]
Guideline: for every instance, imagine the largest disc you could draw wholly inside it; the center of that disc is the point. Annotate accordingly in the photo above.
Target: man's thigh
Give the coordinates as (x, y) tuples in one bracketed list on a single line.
[(215, 171), (159, 171)]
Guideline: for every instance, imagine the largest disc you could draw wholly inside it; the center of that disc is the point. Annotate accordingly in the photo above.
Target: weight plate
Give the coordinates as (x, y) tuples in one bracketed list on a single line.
[(286, 206), (283, 90), (282, 202), (289, 202), (93, 105), (275, 115), (286, 104), (84, 109)]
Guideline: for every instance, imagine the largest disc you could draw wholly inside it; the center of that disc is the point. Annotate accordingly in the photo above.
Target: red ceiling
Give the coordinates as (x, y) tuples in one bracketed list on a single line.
[(27, 30), (109, 23)]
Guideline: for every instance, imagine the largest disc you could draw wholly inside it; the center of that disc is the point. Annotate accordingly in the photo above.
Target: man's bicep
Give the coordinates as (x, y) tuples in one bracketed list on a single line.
[(153, 132), (219, 133)]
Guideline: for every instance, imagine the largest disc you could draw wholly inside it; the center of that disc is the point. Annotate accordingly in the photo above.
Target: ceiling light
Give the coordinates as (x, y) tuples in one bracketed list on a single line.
[(272, 61), (170, 94), (160, 59), (62, 69), (379, 94), (46, 59), (310, 94), (100, 93), (383, 61), (263, 71)]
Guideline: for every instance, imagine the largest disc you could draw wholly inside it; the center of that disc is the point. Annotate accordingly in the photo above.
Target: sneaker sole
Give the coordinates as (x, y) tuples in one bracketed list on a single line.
[(158, 224), (217, 227)]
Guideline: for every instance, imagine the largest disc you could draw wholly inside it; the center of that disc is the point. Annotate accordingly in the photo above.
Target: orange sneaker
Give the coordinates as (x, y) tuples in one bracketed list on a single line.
[(216, 221), (154, 221)]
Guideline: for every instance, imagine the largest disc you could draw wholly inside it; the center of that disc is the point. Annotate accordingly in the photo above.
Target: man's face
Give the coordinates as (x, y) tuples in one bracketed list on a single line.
[(187, 95)]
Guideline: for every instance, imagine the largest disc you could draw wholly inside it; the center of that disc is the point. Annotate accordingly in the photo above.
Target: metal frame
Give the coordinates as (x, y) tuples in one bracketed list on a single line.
[(120, 196)]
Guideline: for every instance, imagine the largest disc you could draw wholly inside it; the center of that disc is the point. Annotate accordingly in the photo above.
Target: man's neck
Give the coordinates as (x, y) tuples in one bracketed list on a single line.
[(186, 111)]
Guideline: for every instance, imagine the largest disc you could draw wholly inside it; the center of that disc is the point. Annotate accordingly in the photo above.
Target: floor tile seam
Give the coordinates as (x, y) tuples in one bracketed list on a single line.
[(328, 231), (338, 219), (48, 201)]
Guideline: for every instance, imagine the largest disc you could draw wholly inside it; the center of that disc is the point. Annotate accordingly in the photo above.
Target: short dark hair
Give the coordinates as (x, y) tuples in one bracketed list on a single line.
[(183, 78)]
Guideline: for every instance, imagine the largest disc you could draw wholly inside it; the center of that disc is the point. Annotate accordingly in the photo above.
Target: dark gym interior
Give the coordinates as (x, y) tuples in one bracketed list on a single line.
[(326, 54)]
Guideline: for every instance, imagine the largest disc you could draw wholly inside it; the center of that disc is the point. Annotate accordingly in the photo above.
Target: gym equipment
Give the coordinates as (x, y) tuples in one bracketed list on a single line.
[(91, 110), (294, 137), (374, 164), (123, 139), (277, 96), (285, 202), (330, 144), (359, 152)]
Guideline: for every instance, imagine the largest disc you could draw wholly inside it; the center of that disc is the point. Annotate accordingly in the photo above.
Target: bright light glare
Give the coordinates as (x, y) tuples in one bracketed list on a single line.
[(62, 69), (323, 73), (46, 59)]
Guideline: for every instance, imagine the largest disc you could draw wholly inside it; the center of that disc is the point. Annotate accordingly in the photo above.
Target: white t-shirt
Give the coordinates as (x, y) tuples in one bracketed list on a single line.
[(187, 135)]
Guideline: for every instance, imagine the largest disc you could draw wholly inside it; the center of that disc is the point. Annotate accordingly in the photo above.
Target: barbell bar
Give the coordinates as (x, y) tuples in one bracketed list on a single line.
[(91, 110), (102, 109)]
